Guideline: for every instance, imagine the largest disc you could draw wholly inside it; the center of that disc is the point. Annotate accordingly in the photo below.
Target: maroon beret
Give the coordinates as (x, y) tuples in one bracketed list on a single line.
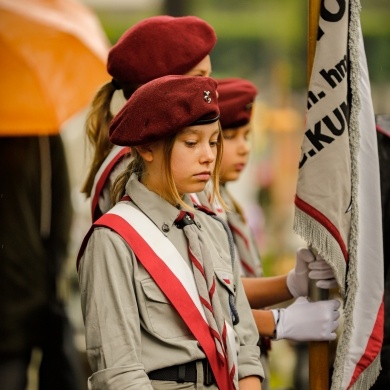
[(160, 46), (164, 106), (235, 100)]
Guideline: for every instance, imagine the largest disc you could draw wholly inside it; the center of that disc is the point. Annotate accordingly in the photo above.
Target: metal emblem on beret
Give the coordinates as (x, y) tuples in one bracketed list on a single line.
[(249, 106), (206, 96)]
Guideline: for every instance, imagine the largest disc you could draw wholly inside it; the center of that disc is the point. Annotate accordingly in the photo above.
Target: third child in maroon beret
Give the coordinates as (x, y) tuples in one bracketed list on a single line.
[(154, 47), (162, 298)]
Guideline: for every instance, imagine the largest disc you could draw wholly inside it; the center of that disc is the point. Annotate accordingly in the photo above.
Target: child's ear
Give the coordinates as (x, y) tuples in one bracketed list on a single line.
[(146, 152)]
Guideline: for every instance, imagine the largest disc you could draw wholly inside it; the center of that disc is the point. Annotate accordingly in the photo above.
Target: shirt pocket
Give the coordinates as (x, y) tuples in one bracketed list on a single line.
[(162, 318), (226, 280), (225, 288)]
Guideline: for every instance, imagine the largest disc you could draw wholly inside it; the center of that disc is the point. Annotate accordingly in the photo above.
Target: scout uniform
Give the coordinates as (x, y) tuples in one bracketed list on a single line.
[(135, 333), (148, 333), (247, 252)]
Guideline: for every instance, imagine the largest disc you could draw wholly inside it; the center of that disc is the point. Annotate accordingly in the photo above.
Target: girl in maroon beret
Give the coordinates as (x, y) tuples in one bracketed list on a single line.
[(154, 47), (303, 320), (162, 299)]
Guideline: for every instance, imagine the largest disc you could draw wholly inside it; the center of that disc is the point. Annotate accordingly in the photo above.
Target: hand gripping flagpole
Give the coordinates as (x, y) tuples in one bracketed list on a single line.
[(318, 350)]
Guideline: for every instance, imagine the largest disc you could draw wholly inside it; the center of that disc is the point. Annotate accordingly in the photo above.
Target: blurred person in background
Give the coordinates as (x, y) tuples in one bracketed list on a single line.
[(383, 137), (154, 47), (36, 214)]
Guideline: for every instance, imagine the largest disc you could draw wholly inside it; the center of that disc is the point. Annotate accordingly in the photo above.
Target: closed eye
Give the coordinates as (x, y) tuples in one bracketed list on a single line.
[(190, 144), (229, 134)]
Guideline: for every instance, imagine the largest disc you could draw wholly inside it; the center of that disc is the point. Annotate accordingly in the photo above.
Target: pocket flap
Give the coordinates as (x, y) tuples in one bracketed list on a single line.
[(153, 292), (226, 279)]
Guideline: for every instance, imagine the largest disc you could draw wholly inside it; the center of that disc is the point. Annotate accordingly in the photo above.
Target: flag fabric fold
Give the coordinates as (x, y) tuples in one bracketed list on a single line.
[(337, 205)]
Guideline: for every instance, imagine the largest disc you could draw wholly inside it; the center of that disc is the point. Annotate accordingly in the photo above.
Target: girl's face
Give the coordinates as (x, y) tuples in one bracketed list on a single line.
[(235, 156), (193, 157), (201, 69)]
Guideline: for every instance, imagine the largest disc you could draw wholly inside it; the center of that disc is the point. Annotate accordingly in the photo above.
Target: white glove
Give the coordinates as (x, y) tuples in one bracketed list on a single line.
[(323, 273), (298, 278), (307, 321)]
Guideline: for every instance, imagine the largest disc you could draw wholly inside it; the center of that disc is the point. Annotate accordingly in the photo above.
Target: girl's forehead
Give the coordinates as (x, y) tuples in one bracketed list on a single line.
[(241, 129), (203, 68), (201, 129)]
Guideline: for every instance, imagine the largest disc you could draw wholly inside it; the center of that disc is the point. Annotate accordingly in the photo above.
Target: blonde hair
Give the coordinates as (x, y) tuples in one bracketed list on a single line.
[(137, 166), (97, 129), (171, 193), (97, 126), (237, 208)]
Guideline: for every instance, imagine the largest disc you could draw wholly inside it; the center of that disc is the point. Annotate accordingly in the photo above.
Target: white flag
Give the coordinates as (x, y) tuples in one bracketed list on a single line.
[(338, 209)]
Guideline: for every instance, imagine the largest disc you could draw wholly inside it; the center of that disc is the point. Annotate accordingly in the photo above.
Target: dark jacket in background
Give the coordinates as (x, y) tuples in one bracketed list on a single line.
[(35, 218)]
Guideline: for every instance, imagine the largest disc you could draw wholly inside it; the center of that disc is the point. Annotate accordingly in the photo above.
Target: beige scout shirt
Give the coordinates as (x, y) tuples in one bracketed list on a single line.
[(131, 328), (245, 241)]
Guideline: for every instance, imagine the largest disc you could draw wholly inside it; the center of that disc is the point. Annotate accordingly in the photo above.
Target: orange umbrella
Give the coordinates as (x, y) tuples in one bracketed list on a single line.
[(53, 59)]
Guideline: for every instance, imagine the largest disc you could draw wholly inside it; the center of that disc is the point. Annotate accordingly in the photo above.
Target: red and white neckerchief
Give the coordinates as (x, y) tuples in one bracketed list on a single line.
[(173, 276), (245, 268), (117, 152), (242, 245), (205, 281)]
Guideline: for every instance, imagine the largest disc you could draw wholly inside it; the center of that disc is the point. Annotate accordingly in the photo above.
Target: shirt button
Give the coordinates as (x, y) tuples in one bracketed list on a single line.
[(198, 225), (165, 228)]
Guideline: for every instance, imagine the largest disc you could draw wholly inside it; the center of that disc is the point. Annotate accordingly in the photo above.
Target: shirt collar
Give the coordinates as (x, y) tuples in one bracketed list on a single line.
[(162, 213)]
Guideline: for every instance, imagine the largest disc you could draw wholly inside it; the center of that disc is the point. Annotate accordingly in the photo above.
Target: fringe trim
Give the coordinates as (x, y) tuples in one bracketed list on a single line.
[(323, 242), (368, 377)]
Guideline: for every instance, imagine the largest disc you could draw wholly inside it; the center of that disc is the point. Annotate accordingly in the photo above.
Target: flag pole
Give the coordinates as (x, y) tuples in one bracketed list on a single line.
[(313, 16), (318, 350)]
